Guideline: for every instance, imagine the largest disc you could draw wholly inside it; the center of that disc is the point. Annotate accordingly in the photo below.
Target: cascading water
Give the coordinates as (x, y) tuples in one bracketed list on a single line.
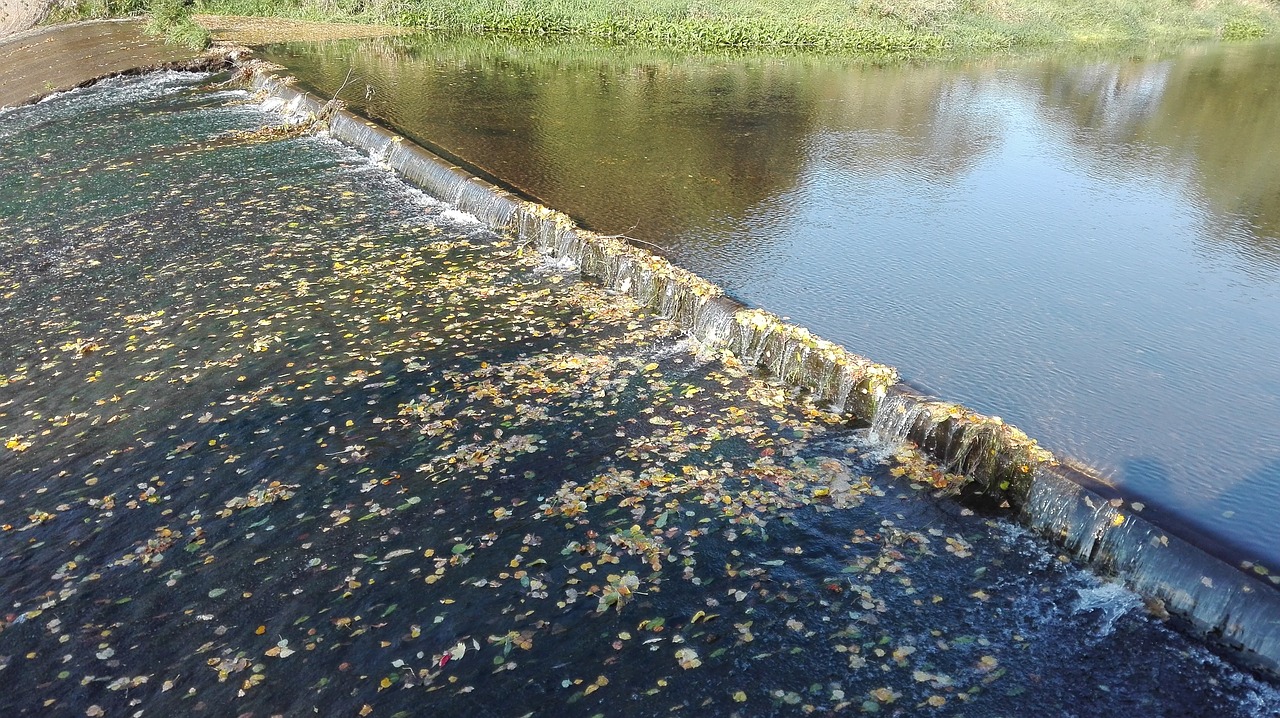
[(1003, 467), (1217, 599)]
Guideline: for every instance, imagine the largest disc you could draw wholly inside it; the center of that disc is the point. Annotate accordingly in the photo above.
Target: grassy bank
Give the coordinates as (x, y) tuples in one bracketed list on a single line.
[(170, 19), (895, 26)]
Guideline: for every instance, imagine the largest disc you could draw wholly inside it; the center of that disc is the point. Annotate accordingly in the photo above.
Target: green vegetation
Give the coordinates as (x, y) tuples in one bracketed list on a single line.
[(73, 10), (1244, 29), (845, 26), (172, 20)]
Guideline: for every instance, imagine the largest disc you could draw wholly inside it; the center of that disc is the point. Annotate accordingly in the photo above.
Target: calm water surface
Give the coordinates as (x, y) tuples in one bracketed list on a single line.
[(1089, 248)]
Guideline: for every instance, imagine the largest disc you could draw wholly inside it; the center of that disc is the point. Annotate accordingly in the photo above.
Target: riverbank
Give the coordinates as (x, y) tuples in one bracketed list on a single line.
[(910, 27), (39, 62)]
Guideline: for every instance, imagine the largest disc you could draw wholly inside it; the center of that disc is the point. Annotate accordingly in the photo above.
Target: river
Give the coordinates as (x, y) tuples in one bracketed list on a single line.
[(284, 436), (1085, 246)]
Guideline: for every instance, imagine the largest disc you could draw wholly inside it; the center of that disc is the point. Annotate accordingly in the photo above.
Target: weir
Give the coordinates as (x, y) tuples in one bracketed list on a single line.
[(1003, 467)]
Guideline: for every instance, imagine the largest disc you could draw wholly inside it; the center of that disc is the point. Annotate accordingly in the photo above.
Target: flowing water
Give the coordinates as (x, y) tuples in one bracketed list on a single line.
[(1088, 248), (285, 436)]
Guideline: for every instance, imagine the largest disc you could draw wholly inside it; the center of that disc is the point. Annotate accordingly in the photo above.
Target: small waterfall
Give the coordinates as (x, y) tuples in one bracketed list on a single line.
[(1006, 468), (999, 460), (1221, 602), (489, 204), (715, 321)]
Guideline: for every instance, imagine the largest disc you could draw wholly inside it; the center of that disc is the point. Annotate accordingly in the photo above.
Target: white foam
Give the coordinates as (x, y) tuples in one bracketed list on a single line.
[(559, 264), (1258, 699), (1111, 599), (676, 348), (872, 451), (457, 216), (111, 92)]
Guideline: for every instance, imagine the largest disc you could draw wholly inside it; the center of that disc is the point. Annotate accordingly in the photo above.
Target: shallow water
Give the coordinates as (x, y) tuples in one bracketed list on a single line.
[(282, 435), (1089, 248)]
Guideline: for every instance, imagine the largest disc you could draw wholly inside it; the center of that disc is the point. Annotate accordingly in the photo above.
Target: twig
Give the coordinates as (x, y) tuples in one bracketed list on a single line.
[(629, 238)]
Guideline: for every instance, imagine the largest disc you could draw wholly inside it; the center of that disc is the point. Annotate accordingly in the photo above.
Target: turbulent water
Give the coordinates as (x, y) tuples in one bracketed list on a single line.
[(284, 436), (1088, 247)]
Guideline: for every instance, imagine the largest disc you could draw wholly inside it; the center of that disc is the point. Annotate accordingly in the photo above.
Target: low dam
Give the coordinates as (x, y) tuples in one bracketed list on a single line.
[(1074, 243), (982, 459), (284, 433)]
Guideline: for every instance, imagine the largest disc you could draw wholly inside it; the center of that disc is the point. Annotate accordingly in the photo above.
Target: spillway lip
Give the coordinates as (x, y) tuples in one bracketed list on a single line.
[(1010, 474)]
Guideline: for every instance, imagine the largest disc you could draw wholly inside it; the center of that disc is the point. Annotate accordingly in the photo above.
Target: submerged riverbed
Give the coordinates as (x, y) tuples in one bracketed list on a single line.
[(1086, 247), (283, 434)]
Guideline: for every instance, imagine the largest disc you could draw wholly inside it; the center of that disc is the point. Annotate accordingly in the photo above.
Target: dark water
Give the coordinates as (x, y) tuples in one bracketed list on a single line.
[(284, 437), (1089, 248)]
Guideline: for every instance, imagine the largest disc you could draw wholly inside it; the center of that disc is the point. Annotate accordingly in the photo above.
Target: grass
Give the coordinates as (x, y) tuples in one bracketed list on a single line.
[(842, 26), (73, 10), (171, 19)]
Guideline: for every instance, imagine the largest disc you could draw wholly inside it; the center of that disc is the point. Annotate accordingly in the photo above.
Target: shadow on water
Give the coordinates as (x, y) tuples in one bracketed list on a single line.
[(1248, 499), (1252, 500)]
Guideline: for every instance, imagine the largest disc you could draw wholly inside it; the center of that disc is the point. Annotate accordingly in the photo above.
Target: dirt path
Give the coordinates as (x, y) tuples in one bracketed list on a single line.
[(19, 15)]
